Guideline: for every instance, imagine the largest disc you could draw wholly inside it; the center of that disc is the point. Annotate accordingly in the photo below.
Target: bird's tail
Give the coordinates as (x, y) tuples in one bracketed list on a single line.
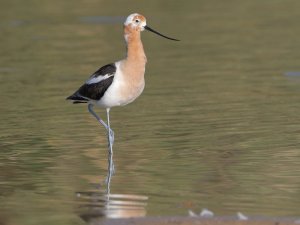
[(76, 98)]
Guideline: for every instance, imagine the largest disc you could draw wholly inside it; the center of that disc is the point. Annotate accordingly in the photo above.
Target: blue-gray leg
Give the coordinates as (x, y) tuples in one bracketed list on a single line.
[(90, 107), (110, 135), (111, 138)]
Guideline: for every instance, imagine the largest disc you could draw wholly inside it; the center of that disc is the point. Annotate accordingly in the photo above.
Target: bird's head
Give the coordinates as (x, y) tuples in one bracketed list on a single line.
[(136, 23)]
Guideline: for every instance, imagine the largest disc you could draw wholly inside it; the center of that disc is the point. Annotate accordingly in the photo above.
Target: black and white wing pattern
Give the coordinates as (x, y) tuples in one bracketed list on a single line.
[(95, 87)]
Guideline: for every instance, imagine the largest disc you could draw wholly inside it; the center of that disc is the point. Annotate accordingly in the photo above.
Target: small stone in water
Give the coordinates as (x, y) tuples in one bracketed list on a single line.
[(206, 213), (192, 214), (241, 216)]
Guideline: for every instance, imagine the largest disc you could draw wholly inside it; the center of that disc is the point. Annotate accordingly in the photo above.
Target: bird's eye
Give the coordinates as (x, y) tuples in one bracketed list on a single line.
[(137, 21)]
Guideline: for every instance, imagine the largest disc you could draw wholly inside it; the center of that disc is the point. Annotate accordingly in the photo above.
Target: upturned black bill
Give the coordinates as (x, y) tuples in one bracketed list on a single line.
[(150, 29)]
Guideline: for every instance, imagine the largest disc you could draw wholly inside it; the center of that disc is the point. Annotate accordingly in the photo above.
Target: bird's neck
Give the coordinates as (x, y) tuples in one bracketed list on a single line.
[(135, 49)]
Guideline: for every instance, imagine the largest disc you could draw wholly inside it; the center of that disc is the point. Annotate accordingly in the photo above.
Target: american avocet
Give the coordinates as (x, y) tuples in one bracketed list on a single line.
[(118, 83)]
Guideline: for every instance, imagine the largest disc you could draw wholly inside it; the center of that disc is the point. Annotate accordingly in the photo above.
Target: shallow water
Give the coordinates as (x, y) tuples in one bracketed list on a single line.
[(217, 126)]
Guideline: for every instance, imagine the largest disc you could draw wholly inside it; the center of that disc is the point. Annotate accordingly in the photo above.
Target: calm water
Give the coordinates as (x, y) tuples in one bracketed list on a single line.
[(217, 126)]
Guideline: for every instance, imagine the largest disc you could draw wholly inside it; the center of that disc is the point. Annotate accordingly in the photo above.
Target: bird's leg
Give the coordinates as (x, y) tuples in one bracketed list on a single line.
[(90, 107), (110, 135)]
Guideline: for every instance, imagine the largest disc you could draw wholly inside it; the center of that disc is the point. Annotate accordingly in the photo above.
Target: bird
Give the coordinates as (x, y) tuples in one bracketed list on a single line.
[(118, 83)]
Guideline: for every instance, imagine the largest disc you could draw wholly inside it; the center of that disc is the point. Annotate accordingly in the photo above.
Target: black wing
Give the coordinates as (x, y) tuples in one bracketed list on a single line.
[(95, 87)]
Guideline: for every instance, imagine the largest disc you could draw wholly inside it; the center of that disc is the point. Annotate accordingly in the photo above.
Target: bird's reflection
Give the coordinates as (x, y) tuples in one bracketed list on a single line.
[(100, 203)]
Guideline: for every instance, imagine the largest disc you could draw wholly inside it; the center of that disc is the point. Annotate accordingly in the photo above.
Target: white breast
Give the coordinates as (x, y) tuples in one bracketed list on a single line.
[(122, 91)]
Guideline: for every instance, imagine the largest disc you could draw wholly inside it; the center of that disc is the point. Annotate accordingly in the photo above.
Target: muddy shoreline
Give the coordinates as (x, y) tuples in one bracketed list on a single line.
[(176, 220)]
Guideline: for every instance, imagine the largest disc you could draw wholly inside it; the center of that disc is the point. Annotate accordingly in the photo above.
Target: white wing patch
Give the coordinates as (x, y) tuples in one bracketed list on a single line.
[(98, 79)]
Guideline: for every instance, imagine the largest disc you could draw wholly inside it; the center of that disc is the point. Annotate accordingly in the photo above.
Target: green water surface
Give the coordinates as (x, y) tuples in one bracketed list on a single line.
[(217, 126)]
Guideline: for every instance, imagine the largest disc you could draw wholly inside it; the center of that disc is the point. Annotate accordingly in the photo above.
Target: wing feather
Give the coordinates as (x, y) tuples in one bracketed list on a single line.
[(96, 86)]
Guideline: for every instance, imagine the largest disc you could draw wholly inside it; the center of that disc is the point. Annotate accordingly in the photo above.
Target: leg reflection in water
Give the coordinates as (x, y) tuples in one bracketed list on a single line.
[(99, 203), (110, 172)]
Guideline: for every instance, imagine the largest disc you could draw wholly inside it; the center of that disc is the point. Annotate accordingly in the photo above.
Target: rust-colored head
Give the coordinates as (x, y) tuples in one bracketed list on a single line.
[(135, 23)]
